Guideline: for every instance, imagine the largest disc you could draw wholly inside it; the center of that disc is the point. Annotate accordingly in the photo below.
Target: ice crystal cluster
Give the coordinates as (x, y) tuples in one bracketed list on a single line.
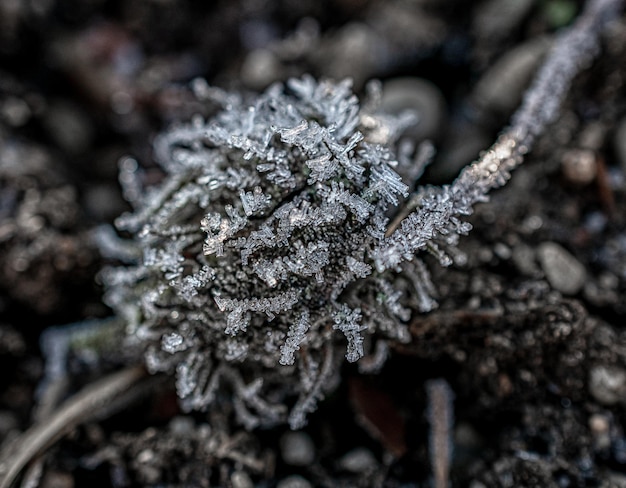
[(267, 247), (258, 249)]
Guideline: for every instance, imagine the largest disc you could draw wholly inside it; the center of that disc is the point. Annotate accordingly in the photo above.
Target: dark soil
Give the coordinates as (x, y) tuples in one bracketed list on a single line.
[(528, 345)]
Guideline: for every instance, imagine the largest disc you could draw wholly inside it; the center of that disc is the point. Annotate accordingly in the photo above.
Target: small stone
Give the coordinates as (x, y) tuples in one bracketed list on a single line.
[(564, 272), (502, 251), (293, 481), (600, 426), (146, 456), (579, 166), (297, 449), (607, 384), (524, 260), (182, 426), (240, 479), (15, 111), (358, 460)]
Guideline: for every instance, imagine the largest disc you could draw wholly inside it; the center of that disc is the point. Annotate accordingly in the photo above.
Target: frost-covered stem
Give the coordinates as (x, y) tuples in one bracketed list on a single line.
[(574, 49), (308, 402)]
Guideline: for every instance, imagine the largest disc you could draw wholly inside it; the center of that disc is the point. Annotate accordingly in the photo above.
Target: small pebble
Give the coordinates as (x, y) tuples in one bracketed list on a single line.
[(579, 166), (15, 111), (502, 251), (607, 384), (524, 259), (564, 272), (600, 426), (182, 426), (294, 481), (297, 449), (240, 479), (358, 460)]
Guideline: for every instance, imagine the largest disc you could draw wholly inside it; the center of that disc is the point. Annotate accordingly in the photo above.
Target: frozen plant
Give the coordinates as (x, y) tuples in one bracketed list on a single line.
[(267, 245), (258, 249)]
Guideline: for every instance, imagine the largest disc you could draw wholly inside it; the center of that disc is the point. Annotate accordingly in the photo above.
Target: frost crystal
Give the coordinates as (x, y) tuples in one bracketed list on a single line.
[(295, 336), (267, 246)]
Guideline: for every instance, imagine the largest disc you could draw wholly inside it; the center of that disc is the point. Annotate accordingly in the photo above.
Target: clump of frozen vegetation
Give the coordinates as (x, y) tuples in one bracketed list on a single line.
[(259, 245), (267, 246)]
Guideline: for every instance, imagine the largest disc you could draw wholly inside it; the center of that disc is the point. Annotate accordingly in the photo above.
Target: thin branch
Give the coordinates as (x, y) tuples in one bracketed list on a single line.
[(441, 210)]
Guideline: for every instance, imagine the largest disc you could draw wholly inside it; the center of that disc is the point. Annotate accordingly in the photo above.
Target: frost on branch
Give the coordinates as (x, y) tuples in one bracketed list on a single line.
[(440, 211), (267, 247)]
